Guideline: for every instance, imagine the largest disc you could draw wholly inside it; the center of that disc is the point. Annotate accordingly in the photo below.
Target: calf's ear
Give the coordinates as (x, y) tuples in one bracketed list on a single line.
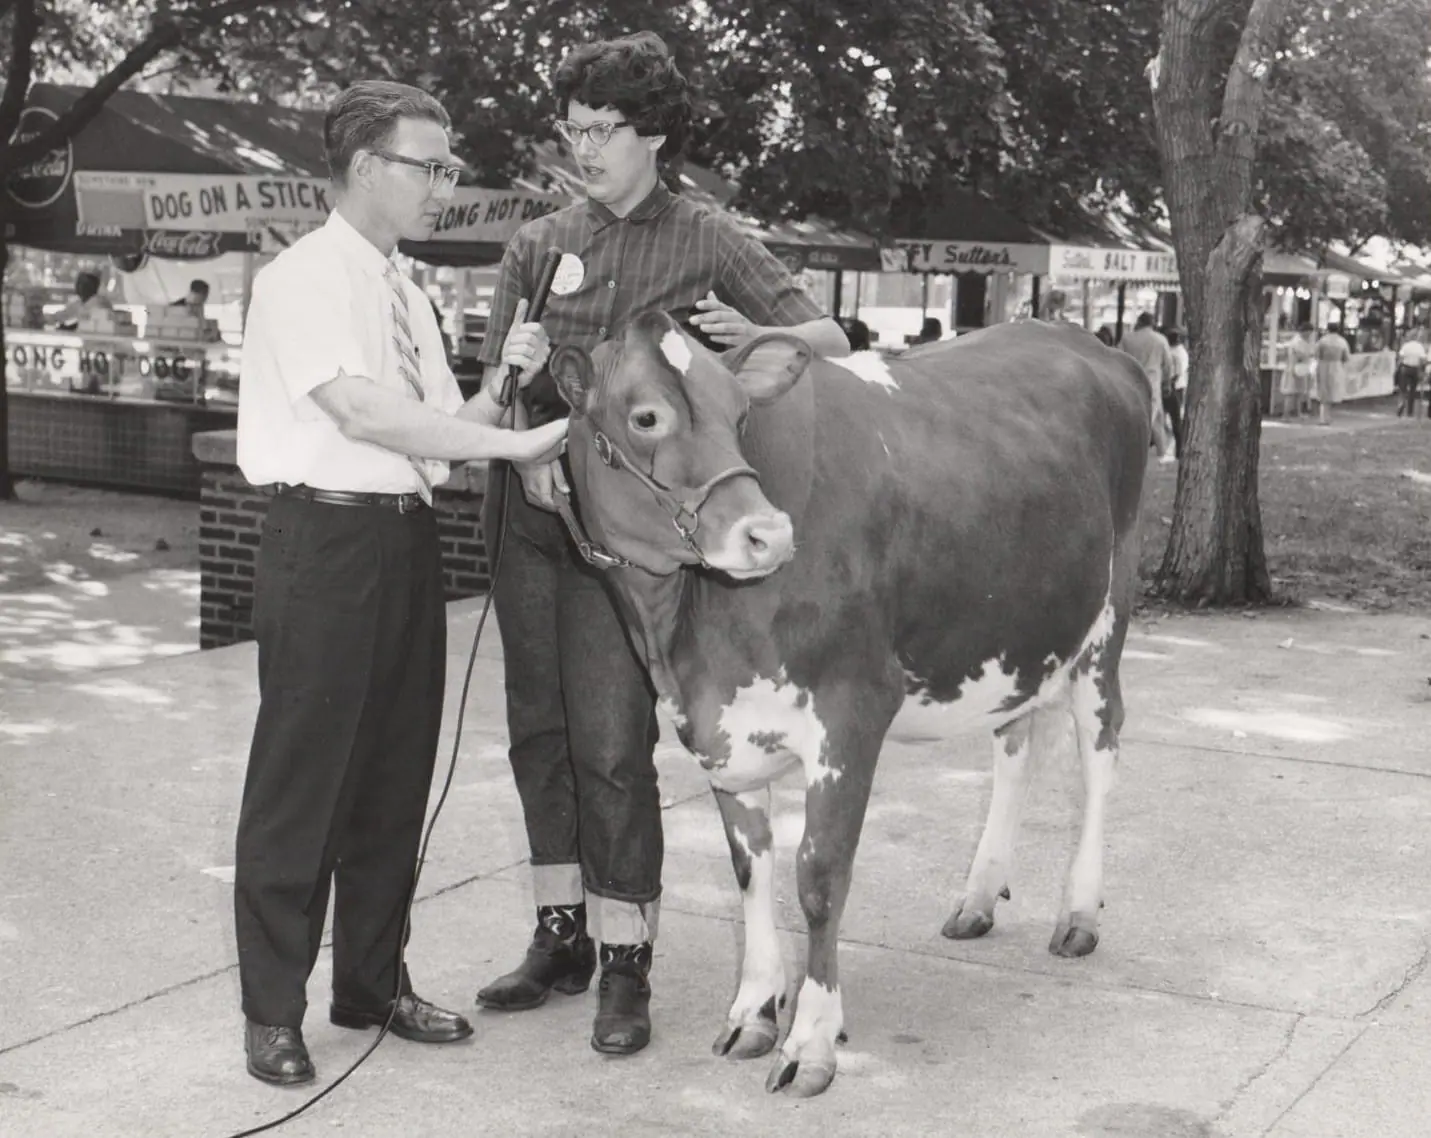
[(768, 366), (572, 370)]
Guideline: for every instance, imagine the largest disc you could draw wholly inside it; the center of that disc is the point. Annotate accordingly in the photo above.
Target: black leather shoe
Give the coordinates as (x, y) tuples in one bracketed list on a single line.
[(277, 1054), (623, 1017), (560, 958), (415, 1020)]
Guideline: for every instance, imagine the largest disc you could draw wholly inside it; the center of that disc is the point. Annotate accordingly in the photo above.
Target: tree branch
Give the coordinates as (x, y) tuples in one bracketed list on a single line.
[(162, 37), (1242, 97), (23, 31)]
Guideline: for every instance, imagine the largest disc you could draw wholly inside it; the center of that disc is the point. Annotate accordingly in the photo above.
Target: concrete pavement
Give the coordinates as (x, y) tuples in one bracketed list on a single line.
[(1261, 970)]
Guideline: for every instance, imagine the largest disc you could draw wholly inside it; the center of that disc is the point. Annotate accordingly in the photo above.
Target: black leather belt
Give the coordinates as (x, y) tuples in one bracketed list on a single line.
[(402, 503)]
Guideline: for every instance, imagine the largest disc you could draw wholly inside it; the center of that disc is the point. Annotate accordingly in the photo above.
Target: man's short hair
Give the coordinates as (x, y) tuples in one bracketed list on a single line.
[(86, 284), (637, 75), (364, 116), (199, 286), (1145, 320)]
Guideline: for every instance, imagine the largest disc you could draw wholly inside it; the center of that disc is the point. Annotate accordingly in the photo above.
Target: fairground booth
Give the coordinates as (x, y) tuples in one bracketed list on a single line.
[(159, 192)]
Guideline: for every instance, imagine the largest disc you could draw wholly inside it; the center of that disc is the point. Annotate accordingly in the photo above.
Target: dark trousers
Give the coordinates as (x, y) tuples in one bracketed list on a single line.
[(580, 707), (352, 654), (1173, 405)]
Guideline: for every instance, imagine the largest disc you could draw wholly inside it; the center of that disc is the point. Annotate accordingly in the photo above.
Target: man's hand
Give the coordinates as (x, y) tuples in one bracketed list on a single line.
[(541, 484), (721, 322), (527, 346), (539, 445)]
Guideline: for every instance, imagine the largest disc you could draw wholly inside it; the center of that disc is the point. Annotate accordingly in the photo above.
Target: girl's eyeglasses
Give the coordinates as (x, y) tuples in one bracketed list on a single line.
[(598, 132)]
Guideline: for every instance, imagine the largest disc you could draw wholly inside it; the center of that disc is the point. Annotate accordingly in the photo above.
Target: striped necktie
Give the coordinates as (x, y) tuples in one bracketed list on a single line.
[(408, 366)]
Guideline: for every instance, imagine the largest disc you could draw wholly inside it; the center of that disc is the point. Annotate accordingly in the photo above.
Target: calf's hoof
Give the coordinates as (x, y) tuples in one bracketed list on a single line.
[(1078, 937), (967, 924), (748, 1040), (803, 1078), (974, 917)]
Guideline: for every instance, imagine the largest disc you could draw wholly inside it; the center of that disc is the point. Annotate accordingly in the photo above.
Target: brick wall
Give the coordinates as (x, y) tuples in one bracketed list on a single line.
[(125, 444), (231, 512)]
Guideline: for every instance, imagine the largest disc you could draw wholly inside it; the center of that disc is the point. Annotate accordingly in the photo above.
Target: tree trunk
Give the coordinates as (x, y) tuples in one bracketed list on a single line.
[(1207, 117), (7, 483), (1215, 551)]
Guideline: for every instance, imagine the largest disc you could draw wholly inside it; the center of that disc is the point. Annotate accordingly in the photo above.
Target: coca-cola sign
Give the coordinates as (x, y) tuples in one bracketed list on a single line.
[(41, 183), (176, 245)]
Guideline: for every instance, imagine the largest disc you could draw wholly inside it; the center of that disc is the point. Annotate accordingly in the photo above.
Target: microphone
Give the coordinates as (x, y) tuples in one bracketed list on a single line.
[(550, 261)]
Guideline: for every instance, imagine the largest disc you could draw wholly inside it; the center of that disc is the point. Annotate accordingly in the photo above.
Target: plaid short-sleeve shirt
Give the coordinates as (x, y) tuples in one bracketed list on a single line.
[(668, 253)]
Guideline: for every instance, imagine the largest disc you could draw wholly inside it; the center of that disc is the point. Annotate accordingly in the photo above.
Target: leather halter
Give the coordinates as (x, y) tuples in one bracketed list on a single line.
[(681, 503)]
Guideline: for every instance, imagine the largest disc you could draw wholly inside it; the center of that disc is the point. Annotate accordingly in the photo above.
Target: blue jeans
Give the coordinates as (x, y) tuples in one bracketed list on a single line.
[(581, 711)]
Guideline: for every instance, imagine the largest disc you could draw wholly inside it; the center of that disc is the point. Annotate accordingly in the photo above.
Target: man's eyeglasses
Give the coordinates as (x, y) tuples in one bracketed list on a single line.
[(598, 132), (439, 177)]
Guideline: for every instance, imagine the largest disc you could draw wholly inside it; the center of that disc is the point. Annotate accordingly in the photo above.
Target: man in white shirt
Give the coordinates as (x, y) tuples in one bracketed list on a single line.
[(1410, 364), (348, 411)]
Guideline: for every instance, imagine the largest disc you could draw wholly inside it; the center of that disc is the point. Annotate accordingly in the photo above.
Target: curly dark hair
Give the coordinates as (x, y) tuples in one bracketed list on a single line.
[(637, 75)]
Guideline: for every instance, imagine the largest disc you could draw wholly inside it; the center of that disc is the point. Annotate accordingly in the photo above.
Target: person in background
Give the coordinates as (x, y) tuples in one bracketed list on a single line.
[(1175, 401), (195, 299), (1155, 356), (88, 298), (1295, 383), (1105, 334), (930, 332), (580, 706), (858, 333), (1410, 366), (1333, 354)]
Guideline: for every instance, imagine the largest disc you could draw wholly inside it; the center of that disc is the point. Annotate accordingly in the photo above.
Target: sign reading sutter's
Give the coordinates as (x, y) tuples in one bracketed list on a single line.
[(244, 203), (971, 256)]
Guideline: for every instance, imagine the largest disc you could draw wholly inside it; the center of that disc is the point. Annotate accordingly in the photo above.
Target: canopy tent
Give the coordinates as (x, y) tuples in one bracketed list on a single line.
[(963, 231), (190, 178)]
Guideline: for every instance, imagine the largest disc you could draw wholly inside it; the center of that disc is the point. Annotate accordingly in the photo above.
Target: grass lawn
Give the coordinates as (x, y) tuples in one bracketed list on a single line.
[(1341, 519), (54, 532)]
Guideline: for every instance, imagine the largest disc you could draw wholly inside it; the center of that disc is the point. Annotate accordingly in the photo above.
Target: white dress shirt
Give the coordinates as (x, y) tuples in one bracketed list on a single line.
[(319, 307)]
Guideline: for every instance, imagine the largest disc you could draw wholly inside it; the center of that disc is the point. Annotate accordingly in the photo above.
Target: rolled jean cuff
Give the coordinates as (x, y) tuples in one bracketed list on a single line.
[(623, 922), (558, 884)]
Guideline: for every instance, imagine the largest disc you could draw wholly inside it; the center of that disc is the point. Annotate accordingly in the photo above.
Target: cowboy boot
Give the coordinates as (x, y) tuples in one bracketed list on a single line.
[(561, 957), (623, 1018)]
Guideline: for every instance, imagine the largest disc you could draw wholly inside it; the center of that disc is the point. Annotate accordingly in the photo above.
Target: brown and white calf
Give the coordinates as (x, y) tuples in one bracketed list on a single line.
[(803, 545)]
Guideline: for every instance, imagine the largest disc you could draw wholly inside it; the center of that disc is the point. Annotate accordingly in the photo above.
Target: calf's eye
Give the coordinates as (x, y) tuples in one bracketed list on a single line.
[(645, 420)]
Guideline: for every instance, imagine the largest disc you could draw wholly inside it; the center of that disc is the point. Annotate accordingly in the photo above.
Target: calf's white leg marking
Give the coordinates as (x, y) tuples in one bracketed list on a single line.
[(1077, 931), (993, 861), (819, 1020), (751, 1025)]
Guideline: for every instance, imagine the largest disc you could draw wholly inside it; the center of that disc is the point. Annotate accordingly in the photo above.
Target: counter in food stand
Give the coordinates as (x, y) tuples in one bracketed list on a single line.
[(115, 410)]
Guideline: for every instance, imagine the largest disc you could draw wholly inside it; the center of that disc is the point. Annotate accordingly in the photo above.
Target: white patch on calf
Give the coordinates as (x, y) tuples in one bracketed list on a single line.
[(769, 724), (676, 351), (989, 697), (670, 709), (870, 367)]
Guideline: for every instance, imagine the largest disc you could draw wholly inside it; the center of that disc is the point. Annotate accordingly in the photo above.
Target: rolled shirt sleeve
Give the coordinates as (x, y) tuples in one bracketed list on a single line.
[(756, 282)]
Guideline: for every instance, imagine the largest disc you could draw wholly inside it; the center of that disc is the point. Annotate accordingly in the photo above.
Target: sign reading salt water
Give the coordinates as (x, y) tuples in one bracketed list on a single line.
[(204, 205), (1074, 263)]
